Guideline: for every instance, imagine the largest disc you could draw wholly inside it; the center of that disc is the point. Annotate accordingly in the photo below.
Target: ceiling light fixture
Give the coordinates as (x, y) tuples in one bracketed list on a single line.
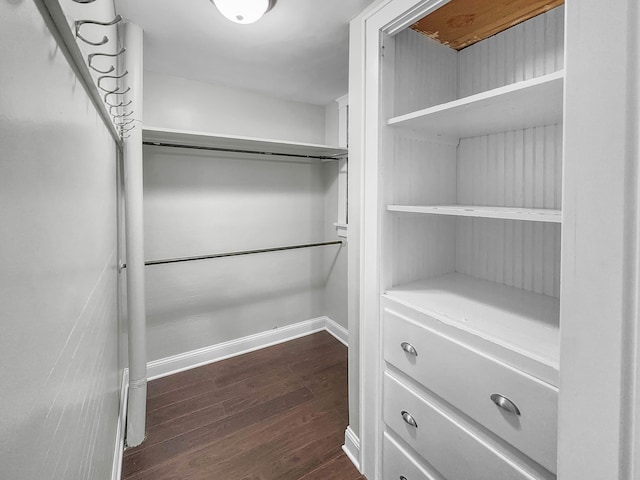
[(244, 11)]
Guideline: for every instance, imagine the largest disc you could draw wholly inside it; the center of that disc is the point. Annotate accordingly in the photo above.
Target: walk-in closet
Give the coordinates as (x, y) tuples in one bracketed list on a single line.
[(181, 218), (337, 240)]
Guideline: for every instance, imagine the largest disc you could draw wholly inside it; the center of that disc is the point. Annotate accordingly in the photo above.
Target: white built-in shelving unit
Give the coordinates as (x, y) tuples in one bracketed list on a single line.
[(499, 206), (470, 219), (474, 201)]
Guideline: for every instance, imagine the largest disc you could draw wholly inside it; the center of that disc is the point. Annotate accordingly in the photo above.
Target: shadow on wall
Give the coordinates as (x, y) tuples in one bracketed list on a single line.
[(193, 170), (201, 287)]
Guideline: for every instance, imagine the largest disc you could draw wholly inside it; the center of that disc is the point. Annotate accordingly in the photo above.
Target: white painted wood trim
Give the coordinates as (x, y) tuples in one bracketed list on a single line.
[(412, 15), (338, 331), (632, 373), (342, 229), (343, 195), (481, 211), (116, 469), (351, 447), (343, 101), (206, 139), (598, 265), (221, 351)]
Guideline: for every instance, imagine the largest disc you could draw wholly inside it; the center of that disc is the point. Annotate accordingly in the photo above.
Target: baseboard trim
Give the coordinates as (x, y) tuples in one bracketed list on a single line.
[(338, 331), (352, 447), (116, 470), (215, 353)]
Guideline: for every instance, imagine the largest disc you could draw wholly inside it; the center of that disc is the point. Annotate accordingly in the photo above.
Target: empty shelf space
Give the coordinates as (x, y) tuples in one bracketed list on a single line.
[(201, 140), (505, 213), (523, 323), (517, 106)]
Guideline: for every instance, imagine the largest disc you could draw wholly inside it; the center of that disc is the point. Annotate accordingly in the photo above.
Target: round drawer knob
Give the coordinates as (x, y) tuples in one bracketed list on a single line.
[(505, 404), (410, 349), (402, 477), (408, 418)]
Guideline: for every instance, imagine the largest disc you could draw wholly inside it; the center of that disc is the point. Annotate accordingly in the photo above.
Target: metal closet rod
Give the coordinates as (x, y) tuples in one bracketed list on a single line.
[(236, 254), (252, 152)]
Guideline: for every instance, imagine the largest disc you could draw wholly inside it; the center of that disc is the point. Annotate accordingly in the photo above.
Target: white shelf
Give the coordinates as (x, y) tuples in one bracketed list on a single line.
[(507, 213), (518, 326), (236, 143), (520, 105)]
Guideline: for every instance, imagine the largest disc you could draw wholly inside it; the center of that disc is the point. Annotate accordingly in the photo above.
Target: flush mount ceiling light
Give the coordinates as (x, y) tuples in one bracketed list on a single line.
[(244, 11)]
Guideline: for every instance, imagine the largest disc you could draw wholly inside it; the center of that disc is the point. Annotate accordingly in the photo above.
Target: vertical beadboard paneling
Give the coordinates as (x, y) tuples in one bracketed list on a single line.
[(424, 171), (58, 307), (519, 254), (520, 168), (527, 50), (425, 72), (512, 169), (425, 247)]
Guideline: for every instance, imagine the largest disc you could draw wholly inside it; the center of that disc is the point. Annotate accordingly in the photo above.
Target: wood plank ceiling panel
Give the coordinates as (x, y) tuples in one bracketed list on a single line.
[(461, 23)]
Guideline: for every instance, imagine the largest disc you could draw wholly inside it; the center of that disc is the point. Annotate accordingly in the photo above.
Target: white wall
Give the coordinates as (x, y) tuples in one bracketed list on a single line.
[(58, 281), (198, 204), (174, 102)]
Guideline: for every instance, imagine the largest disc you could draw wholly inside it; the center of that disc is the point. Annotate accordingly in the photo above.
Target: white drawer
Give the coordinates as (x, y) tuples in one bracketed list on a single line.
[(454, 449), (468, 379), (398, 463)]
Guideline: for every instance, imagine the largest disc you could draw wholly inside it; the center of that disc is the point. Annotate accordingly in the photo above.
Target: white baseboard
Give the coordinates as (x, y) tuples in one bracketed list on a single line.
[(215, 353), (116, 469), (338, 331), (352, 447)]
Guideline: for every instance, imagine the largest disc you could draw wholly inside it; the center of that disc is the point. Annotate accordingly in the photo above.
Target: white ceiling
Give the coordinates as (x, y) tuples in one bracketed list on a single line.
[(297, 51)]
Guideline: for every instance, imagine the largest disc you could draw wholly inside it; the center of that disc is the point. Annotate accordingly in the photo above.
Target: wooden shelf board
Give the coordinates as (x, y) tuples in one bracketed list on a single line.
[(506, 213), (461, 23), (525, 104), (232, 142), (521, 326)]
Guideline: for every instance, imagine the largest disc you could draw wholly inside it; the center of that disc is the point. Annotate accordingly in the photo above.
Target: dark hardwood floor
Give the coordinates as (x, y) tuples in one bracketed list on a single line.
[(277, 413)]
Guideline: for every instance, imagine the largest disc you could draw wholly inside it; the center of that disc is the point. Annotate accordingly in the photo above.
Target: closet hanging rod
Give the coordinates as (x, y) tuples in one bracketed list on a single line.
[(251, 152), (237, 254)]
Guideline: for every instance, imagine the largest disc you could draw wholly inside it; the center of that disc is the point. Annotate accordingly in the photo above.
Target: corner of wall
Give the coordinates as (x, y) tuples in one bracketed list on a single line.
[(351, 447), (331, 123)]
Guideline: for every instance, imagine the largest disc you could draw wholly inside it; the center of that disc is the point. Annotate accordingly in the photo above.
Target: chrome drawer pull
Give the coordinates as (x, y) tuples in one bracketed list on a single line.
[(407, 417), (410, 349), (505, 404)]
